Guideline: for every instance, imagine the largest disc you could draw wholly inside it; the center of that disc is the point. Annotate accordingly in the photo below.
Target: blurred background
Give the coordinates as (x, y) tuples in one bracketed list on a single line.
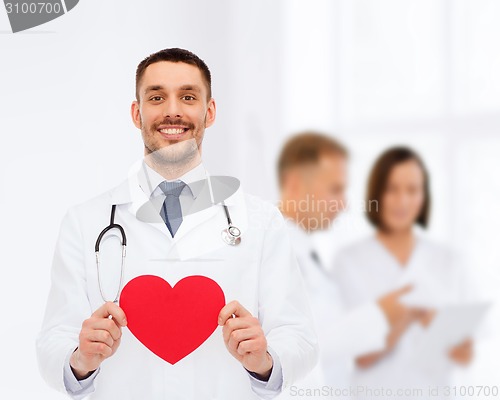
[(423, 73)]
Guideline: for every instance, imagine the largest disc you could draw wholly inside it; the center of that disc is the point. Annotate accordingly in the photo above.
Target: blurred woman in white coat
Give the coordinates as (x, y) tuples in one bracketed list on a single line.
[(398, 199)]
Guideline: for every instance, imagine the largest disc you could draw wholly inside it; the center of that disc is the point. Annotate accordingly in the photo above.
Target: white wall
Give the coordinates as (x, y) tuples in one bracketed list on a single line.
[(375, 73)]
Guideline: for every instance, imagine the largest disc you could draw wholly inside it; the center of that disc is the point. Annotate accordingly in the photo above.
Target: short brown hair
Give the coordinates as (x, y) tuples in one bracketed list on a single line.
[(173, 55), (379, 176), (307, 148)]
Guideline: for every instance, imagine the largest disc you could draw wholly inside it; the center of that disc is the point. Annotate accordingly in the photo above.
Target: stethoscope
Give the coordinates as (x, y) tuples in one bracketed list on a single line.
[(231, 235), (111, 225)]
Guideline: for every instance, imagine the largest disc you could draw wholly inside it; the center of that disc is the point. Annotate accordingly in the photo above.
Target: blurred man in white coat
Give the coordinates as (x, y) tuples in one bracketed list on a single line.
[(312, 171), (210, 302)]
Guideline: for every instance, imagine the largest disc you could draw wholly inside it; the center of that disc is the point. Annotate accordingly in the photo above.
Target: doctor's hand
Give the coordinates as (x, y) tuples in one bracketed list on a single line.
[(406, 317), (99, 339), (396, 332), (394, 311), (245, 339), (400, 316), (463, 353)]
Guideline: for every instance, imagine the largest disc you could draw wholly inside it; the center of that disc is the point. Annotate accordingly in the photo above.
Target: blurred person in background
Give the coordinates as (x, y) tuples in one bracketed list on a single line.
[(312, 171), (398, 199)]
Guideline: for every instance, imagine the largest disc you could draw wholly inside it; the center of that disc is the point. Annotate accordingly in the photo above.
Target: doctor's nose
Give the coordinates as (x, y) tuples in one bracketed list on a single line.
[(172, 110)]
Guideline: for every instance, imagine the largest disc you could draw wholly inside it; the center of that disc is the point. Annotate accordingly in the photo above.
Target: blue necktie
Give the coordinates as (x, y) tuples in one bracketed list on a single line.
[(171, 212)]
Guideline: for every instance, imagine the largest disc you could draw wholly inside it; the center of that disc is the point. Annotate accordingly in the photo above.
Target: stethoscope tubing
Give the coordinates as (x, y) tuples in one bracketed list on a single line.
[(111, 225)]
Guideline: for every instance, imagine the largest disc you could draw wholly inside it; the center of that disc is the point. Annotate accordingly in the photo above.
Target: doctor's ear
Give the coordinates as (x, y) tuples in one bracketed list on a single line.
[(210, 115), (135, 112)]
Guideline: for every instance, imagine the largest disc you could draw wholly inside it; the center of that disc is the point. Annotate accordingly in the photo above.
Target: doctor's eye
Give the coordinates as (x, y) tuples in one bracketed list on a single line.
[(188, 97), (156, 98)]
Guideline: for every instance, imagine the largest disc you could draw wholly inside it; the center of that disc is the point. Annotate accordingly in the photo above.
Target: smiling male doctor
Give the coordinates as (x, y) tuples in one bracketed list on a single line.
[(264, 341)]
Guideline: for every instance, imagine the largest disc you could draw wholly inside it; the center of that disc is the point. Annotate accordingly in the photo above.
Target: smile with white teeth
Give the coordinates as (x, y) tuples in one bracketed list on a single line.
[(172, 131)]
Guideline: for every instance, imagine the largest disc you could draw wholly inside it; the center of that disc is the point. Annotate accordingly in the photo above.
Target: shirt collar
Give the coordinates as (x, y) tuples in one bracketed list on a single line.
[(149, 180)]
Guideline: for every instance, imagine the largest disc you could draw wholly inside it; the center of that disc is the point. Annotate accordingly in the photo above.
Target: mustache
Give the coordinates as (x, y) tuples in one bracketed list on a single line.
[(178, 122)]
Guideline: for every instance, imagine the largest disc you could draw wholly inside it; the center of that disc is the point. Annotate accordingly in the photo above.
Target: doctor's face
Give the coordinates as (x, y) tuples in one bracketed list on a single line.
[(173, 111), (322, 186), (403, 197)]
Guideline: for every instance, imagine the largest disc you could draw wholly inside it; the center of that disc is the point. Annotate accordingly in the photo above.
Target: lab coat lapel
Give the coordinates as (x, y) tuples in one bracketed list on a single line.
[(205, 228), (203, 209), (192, 221), (197, 213), (139, 205)]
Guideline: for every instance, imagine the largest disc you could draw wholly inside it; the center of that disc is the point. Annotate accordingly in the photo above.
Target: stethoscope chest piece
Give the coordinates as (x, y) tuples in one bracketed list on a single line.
[(231, 235)]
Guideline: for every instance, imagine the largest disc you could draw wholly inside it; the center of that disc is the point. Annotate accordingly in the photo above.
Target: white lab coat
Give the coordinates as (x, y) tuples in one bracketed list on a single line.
[(367, 270), (261, 273), (341, 332)]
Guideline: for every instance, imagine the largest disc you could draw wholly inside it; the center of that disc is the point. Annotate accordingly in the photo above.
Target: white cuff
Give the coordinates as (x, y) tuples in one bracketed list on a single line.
[(273, 387), (75, 388)]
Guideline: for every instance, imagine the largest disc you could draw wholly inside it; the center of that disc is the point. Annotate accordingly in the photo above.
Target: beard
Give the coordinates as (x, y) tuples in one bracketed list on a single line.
[(174, 155)]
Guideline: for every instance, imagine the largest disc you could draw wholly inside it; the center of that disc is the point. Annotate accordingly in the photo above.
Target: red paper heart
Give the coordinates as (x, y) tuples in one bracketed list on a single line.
[(172, 322)]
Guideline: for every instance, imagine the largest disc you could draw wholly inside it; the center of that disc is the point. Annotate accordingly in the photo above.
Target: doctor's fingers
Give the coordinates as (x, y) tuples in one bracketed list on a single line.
[(101, 336), (233, 324), (240, 335), (231, 308), (391, 305), (425, 317), (106, 324), (258, 344), (89, 348), (111, 309)]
